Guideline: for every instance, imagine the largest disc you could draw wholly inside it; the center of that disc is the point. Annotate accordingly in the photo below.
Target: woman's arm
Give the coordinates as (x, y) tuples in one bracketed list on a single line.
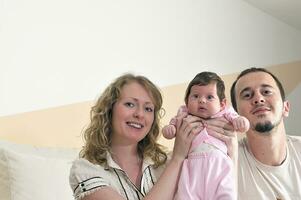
[(165, 187), (187, 129), (104, 193)]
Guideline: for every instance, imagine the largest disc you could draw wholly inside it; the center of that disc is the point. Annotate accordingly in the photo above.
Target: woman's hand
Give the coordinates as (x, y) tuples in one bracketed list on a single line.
[(221, 129), (187, 128)]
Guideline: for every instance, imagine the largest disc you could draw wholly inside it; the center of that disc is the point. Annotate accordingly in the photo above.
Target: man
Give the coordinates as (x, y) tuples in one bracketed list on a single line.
[(269, 161)]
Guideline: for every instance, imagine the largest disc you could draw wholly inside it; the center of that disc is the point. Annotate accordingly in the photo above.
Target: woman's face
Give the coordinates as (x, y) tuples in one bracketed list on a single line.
[(133, 115)]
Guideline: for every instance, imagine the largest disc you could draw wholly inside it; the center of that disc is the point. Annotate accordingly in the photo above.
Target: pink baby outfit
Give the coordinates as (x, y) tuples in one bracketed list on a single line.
[(207, 173)]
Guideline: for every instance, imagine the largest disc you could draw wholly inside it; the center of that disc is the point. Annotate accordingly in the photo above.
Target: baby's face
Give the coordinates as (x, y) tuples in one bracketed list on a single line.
[(203, 101)]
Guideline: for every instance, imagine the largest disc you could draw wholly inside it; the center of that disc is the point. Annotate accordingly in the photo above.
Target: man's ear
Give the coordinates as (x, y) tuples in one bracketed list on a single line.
[(286, 108), (223, 103)]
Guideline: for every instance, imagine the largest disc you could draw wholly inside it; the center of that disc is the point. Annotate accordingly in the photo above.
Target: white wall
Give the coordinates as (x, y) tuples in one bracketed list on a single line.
[(293, 121), (64, 51)]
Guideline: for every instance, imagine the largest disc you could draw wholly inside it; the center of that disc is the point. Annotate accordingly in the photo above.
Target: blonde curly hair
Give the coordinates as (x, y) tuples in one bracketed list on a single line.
[(98, 134)]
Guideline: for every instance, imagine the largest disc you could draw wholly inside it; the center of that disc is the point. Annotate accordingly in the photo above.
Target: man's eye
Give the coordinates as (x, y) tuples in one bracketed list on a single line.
[(267, 92), (246, 95)]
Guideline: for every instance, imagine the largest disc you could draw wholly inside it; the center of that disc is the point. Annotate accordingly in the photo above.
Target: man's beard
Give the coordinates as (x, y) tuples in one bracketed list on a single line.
[(265, 127)]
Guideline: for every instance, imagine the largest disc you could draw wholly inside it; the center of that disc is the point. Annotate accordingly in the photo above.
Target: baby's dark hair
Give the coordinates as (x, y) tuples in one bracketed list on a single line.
[(205, 78)]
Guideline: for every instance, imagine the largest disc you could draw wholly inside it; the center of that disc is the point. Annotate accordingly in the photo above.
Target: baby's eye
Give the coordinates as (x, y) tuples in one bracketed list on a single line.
[(129, 104), (195, 96), (210, 97)]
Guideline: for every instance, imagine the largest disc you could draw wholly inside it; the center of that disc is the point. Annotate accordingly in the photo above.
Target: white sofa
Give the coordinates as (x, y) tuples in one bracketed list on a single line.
[(35, 173)]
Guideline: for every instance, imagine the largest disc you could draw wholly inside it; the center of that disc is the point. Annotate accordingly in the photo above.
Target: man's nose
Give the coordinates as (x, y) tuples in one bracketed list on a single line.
[(258, 99)]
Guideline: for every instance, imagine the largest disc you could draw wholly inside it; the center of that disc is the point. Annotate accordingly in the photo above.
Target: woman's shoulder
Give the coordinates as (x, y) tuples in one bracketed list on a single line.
[(82, 165), (83, 170)]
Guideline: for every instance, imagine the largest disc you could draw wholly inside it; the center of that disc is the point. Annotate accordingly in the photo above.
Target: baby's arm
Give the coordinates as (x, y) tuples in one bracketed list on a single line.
[(241, 124), (169, 131)]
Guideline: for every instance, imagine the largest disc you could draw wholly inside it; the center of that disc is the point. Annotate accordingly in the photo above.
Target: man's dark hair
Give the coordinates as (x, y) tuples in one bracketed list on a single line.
[(205, 78), (251, 70)]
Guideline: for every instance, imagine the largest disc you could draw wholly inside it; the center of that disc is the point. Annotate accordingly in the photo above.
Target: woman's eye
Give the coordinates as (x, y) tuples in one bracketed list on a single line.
[(149, 109), (129, 104)]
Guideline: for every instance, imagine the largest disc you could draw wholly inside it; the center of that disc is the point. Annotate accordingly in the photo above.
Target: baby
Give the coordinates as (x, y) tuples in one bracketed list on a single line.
[(207, 173)]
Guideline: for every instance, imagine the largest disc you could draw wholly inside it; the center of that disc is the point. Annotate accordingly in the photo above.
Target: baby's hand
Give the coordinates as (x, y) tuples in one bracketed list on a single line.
[(169, 131), (241, 124)]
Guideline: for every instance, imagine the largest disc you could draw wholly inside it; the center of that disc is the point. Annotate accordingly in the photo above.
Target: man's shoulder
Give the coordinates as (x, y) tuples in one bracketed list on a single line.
[(242, 141), (294, 139)]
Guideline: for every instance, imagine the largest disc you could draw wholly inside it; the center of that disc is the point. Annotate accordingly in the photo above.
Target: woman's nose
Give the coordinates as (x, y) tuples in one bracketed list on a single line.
[(138, 112)]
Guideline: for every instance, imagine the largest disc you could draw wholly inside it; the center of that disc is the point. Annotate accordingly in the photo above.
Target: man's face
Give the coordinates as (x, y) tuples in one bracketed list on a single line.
[(259, 100)]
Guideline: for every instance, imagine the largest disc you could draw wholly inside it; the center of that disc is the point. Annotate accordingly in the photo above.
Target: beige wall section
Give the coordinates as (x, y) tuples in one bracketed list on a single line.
[(62, 126)]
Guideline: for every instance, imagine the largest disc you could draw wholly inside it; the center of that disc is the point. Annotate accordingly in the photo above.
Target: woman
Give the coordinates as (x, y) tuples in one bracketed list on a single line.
[(121, 158)]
